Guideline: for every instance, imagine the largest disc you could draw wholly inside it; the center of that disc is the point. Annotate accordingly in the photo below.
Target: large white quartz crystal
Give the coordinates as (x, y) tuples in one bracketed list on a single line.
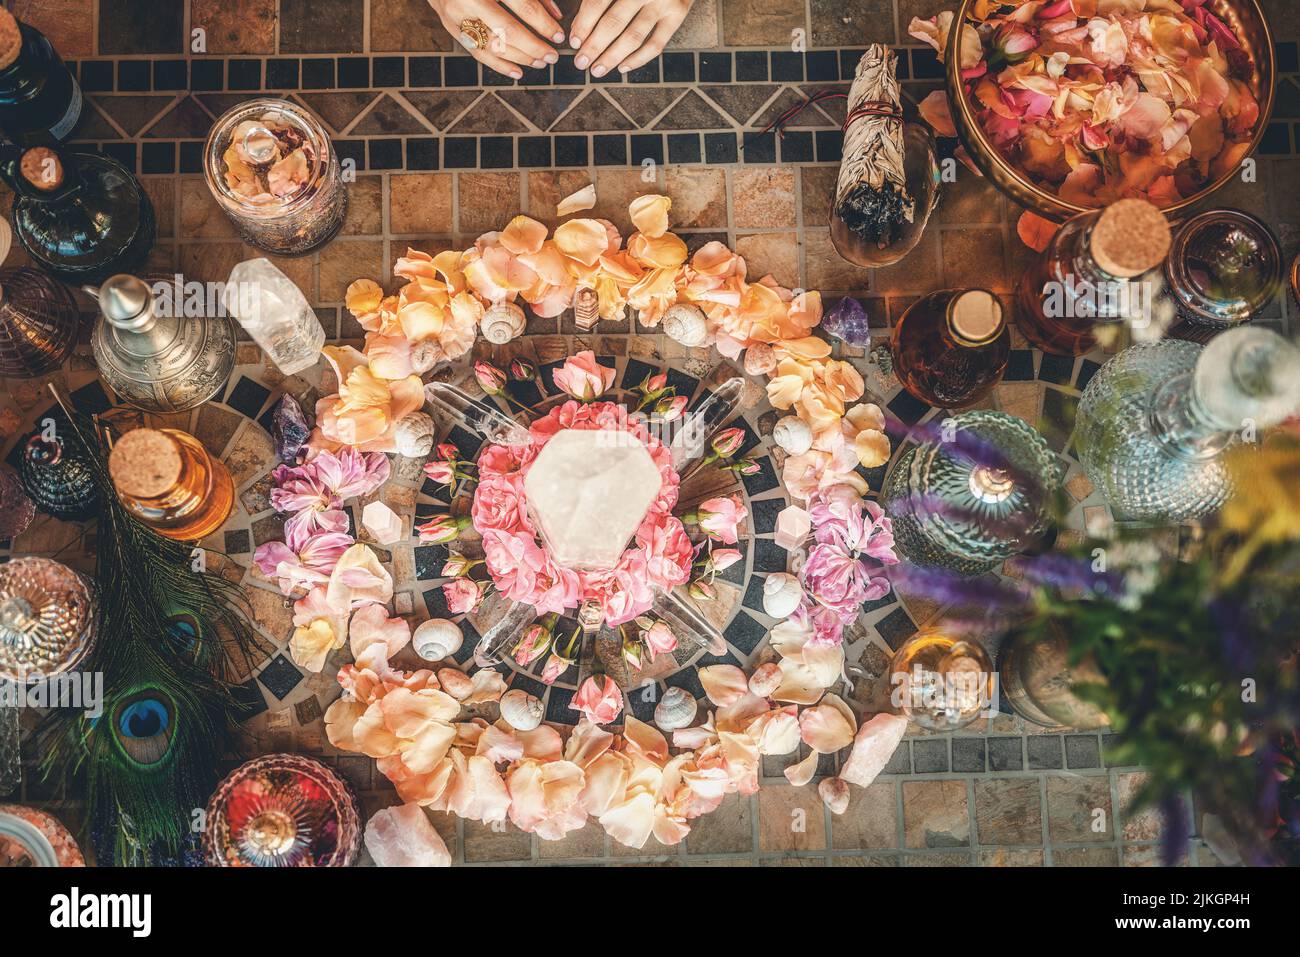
[(587, 491), (405, 837)]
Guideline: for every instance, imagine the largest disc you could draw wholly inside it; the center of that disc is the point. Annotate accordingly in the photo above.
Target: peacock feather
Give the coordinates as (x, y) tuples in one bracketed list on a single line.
[(168, 632)]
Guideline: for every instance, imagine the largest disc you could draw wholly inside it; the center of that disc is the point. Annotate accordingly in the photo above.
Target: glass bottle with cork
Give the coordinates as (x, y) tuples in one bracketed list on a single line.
[(40, 100), (951, 347), (1090, 276), (167, 480)]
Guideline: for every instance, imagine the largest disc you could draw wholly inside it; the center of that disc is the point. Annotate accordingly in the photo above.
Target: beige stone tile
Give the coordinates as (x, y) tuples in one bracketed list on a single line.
[(616, 188), (817, 187), (252, 456), (971, 199), (790, 818), (699, 31), (546, 189), (365, 207), (201, 217), (246, 27), (973, 257), (865, 860), (826, 271), (935, 814), (584, 843), (1144, 825), (496, 842), (272, 612), (1004, 857), (699, 195), (1008, 811), (950, 859), (746, 23), (67, 24), (486, 201), (344, 260), (871, 819), (420, 203), (1085, 857), (920, 271), (728, 830), (1078, 809), (774, 253), (763, 198)]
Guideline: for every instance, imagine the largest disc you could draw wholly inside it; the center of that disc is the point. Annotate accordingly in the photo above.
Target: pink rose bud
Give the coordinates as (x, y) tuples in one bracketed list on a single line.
[(632, 653), (659, 638), (442, 529), (448, 452), (727, 442), (655, 383), (535, 643), (723, 558), (1014, 42), (462, 595), (441, 472), (555, 666), (746, 467), (490, 379), (670, 407), (456, 566), (522, 370), (703, 591)]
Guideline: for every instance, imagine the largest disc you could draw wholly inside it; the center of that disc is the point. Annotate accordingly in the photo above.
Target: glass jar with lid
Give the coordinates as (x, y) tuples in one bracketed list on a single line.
[(272, 168)]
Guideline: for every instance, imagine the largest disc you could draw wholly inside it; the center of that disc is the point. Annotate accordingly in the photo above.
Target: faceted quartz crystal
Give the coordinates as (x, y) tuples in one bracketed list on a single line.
[(275, 313), (588, 490)]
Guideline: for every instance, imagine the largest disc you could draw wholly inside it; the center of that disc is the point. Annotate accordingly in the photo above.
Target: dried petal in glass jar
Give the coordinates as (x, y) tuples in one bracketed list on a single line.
[(273, 170)]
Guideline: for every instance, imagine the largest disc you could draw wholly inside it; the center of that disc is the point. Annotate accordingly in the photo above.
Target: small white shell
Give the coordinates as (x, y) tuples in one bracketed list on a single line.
[(781, 595), (765, 679), (835, 794), (413, 435), (437, 638), (425, 354), (502, 322), (675, 710), (793, 434), (760, 359), (685, 323), (520, 710), (456, 683)]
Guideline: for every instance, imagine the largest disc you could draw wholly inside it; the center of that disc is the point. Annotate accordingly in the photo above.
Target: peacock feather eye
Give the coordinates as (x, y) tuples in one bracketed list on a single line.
[(143, 727)]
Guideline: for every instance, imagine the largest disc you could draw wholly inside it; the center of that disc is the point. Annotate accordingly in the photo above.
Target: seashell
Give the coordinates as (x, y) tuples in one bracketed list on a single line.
[(781, 594), (835, 794), (437, 638), (760, 359), (675, 710), (413, 435), (456, 683), (793, 434), (521, 711), (685, 323), (502, 322), (425, 354), (765, 680)]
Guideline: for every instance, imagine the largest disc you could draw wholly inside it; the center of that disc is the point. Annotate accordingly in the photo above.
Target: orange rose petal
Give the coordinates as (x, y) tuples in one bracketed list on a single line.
[(584, 198), (363, 296), (582, 239), (649, 214), (523, 235)]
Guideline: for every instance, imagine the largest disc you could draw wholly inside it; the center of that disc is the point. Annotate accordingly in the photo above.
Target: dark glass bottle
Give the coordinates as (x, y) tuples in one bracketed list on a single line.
[(951, 347), (39, 322), (40, 100), (81, 216), (1090, 275)]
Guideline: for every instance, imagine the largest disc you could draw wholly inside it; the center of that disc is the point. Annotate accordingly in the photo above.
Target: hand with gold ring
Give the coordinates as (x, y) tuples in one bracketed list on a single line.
[(504, 36)]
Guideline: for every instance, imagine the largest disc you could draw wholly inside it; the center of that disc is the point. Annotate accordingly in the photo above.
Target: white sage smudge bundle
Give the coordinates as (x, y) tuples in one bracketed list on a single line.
[(871, 195)]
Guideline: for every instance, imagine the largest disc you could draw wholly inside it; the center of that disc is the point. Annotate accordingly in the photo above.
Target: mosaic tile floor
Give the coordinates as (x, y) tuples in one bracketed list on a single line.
[(443, 152)]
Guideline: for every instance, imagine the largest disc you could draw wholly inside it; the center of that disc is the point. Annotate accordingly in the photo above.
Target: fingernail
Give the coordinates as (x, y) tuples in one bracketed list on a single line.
[(551, 57), (575, 41), (559, 36), (538, 64), (517, 74), (581, 62), (598, 71), (622, 68)]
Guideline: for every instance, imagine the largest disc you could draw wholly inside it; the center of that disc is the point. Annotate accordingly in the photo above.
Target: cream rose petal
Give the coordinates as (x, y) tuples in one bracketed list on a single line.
[(584, 198), (724, 684), (649, 214), (825, 729), (801, 773)]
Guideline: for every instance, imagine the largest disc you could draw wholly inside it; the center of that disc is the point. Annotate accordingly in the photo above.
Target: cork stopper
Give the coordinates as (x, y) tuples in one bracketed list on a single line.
[(40, 166), (145, 464), (975, 316), (11, 39), (1130, 237)]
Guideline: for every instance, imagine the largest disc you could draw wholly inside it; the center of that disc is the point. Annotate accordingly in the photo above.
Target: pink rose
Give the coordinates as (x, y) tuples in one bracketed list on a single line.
[(514, 561), (582, 378), (668, 550), (462, 595), (556, 588), (555, 666), (499, 505), (720, 517), (623, 591), (504, 459), (659, 638), (723, 558), (598, 699)]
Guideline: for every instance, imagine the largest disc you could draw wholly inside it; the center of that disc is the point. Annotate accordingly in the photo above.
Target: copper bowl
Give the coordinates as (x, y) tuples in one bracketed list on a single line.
[(1243, 17)]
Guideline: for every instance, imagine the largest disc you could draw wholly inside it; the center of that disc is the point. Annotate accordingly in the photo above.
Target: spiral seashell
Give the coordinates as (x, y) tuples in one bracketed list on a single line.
[(760, 359), (520, 710), (437, 638), (781, 595), (675, 710), (502, 322), (793, 434), (413, 435), (425, 354), (685, 324), (765, 680), (835, 794)]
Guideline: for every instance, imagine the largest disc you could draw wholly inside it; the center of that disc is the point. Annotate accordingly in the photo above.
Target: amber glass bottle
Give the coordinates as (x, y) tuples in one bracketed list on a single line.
[(1090, 274), (951, 347), (167, 480)]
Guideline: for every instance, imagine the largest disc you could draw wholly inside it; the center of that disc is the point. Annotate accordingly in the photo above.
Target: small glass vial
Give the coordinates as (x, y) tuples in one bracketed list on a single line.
[(167, 480), (273, 170), (942, 683), (950, 348), (1089, 276)]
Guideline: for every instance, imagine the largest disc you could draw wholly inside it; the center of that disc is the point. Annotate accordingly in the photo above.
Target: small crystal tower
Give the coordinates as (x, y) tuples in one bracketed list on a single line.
[(273, 310)]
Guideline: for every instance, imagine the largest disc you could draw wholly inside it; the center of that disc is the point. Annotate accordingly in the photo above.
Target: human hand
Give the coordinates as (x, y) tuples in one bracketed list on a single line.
[(512, 43), (624, 33)]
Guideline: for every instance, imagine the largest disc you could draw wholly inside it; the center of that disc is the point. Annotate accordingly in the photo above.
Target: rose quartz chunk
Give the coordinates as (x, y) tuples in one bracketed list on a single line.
[(588, 491), (875, 744), (792, 527), (382, 522), (404, 837)]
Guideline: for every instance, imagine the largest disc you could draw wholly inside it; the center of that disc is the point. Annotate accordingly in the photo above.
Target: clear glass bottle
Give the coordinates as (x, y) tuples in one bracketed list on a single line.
[(153, 357), (273, 310), (975, 492), (272, 168), (942, 683), (950, 348), (1090, 275), (39, 97), (1154, 421), (39, 322), (80, 216), (168, 481)]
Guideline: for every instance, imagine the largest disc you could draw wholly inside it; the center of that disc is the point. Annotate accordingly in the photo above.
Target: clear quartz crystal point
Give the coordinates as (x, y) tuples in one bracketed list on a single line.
[(699, 425), (1154, 421), (476, 416), (687, 623), (11, 769), (509, 619), (273, 310)]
